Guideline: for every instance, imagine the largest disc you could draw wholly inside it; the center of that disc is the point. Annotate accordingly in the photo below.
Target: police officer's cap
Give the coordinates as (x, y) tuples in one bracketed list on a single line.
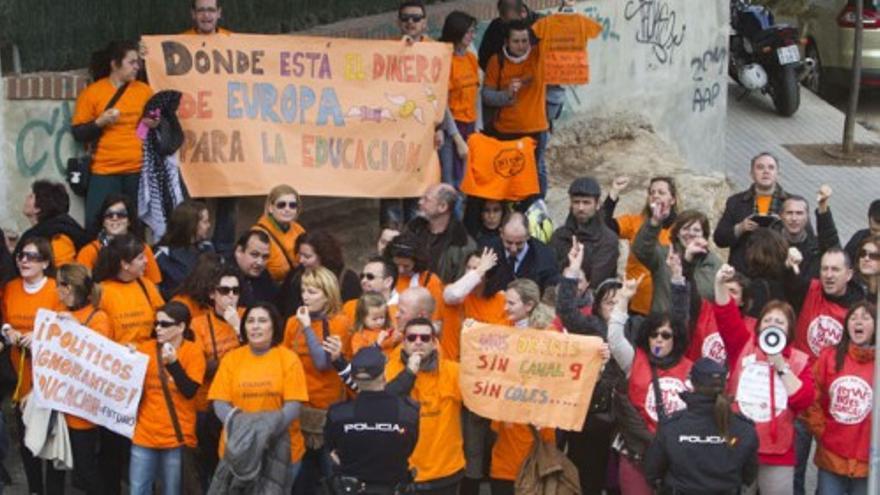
[(708, 373), (368, 363)]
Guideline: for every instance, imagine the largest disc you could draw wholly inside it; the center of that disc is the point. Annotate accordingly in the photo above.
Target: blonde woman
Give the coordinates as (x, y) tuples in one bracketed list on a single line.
[(283, 208)]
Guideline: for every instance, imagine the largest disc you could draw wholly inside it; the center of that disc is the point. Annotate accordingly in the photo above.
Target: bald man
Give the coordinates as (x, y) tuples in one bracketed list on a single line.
[(522, 256), (444, 239), (414, 302)]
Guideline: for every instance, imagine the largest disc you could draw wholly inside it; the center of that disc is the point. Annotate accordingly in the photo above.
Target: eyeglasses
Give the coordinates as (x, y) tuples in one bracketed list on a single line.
[(410, 17), (225, 291), (115, 215), (29, 256), (424, 337), (662, 335), (165, 323), (873, 256), (368, 276), (286, 204)]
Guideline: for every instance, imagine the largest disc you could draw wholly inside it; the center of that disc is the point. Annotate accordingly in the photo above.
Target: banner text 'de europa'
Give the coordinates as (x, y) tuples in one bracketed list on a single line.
[(80, 372), (541, 377), (333, 117)]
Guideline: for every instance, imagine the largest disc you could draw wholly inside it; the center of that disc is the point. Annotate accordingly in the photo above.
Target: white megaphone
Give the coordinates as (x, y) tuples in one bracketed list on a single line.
[(772, 340)]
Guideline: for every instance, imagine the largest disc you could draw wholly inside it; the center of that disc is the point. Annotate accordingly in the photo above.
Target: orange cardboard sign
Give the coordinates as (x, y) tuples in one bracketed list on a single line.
[(538, 377), (500, 170), (332, 117)]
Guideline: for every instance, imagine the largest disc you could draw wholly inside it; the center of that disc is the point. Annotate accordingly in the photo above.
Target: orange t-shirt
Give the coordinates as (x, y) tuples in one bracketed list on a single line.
[(500, 170), (367, 337), (629, 226), (220, 30), (763, 204), (512, 446), (120, 150), (154, 428), (325, 387), (474, 307), (63, 250), (99, 323), (528, 113), (132, 310), (464, 87), (282, 246), (439, 451), (88, 256), (567, 34), (216, 338), (19, 310), (196, 310), (262, 383)]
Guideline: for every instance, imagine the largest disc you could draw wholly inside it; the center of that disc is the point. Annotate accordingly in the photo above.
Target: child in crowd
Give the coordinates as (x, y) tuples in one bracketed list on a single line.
[(372, 324)]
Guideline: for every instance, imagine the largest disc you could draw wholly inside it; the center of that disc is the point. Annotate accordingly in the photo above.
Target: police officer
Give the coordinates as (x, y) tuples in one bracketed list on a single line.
[(371, 437), (705, 449)]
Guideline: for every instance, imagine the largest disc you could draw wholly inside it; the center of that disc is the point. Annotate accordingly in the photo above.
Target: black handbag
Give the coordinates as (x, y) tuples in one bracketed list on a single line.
[(79, 168)]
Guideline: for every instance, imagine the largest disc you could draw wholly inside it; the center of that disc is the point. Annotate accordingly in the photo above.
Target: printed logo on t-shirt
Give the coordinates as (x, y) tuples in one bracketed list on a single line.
[(753, 391), (850, 400), (824, 331), (670, 388), (713, 348), (509, 162)]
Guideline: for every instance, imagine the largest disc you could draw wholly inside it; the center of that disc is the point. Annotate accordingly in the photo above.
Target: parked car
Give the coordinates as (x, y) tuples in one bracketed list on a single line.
[(829, 35)]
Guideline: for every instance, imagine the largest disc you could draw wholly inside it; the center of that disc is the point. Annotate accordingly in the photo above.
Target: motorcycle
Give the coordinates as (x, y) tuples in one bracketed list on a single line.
[(766, 56)]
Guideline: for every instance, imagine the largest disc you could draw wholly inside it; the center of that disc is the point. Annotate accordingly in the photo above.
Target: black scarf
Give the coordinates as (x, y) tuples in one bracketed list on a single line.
[(62, 224)]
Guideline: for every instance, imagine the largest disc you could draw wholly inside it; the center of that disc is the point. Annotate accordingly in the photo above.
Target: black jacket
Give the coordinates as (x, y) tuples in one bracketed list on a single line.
[(738, 208), (62, 224), (689, 456), (601, 247), (539, 264), (373, 435), (448, 251)]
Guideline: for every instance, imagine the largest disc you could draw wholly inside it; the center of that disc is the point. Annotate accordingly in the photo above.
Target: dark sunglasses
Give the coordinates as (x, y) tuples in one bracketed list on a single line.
[(165, 323), (115, 215), (368, 276), (872, 256), (662, 335), (410, 17), (286, 204), (225, 291), (29, 256), (424, 337)]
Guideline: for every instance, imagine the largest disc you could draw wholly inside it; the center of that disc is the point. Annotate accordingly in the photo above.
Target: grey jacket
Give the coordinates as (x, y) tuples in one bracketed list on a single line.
[(257, 456), (649, 251)]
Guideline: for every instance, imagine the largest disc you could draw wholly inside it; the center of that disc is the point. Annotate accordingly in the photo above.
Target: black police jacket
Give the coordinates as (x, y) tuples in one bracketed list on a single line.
[(689, 456), (373, 435)]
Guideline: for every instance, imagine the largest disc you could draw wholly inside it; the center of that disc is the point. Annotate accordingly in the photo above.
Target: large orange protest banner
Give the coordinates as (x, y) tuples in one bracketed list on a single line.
[(80, 372), (540, 377), (332, 117)]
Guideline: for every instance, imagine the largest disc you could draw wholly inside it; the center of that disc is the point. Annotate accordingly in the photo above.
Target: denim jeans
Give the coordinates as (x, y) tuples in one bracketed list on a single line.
[(834, 484), (146, 462), (803, 443)]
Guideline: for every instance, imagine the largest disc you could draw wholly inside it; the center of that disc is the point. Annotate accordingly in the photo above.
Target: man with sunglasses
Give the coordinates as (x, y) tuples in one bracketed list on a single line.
[(438, 459), (379, 276)]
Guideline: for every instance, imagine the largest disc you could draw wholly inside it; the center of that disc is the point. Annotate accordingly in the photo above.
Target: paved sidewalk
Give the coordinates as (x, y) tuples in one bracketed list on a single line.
[(753, 126)]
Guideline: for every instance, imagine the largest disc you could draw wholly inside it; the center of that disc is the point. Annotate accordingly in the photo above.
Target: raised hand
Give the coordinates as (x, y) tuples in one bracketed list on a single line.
[(630, 287), (695, 247), (822, 197), (618, 185), (673, 262), (794, 260), (488, 260), (575, 259)]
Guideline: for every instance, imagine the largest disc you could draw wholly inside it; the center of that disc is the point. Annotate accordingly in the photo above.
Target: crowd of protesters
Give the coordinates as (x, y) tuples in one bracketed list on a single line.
[(261, 346)]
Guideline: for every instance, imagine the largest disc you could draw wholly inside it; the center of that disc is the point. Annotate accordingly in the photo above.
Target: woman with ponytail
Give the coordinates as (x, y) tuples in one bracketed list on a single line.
[(707, 448)]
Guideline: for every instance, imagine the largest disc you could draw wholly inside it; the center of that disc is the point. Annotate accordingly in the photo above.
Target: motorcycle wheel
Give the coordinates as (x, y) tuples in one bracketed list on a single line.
[(785, 90)]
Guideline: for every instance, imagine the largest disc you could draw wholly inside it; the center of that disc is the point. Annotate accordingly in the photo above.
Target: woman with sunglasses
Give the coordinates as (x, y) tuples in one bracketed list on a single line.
[(840, 417), (318, 319), (187, 237), (789, 376), (166, 420), (81, 298), (118, 217), (283, 208), (317, 248), (688, 235), (130, 301), (261, 376), (658, 372), (217, 332), (868, 266), (34, 289)]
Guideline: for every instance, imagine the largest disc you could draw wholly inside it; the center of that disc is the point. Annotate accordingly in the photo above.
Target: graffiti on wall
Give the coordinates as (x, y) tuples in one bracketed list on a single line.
[(658, 27), (43, 142), (607, 23), (706, 68)]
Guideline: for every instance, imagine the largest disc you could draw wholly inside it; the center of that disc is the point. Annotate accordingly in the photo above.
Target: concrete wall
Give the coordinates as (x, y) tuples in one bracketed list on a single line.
[(655, 57)]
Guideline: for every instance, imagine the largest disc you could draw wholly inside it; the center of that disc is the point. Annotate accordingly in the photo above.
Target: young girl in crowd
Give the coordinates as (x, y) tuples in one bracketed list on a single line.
[(372, 322)]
